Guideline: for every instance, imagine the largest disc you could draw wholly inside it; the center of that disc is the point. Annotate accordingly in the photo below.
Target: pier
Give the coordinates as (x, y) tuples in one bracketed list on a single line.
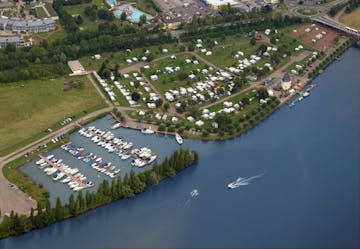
[(73, 179)]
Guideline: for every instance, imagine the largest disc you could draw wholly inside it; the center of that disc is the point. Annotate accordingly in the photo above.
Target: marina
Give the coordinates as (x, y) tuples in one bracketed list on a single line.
[(299, 96), (63, 173), (121, 163), (107, 140)]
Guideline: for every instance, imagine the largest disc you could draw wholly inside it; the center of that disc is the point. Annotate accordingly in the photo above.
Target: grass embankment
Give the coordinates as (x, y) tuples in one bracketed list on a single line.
[(30, 107), (352, 19)]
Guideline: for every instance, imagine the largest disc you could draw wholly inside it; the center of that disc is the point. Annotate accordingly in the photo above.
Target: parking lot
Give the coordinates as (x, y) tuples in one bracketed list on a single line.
[(185, 10)]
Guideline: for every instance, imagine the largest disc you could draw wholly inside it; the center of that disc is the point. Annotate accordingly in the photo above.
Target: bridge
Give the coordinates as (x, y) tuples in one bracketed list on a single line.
[(338, 26)]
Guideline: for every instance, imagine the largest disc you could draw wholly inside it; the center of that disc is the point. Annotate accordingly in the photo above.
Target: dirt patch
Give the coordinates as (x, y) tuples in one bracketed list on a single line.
[(324, 43)]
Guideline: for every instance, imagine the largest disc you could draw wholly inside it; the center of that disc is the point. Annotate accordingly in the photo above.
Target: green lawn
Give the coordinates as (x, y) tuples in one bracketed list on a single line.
[(222, 54), (59, 33), (30, 107), (171, 81), (79, 10), (121, 56), (41, 12)]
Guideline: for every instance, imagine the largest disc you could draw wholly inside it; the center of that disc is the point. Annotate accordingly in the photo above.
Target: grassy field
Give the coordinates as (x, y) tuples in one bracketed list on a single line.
[(171, 81), (79, 10), (59, 33), (30, 107), (222, 55), (307, 11), (121, 56), (352, 20)]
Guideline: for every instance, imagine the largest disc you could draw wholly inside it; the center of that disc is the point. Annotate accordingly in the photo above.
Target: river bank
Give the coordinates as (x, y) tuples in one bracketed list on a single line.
[(310, 156)]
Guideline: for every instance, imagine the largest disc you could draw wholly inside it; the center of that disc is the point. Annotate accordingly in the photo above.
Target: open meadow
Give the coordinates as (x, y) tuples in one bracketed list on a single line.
[(352, 19), (28, 108)]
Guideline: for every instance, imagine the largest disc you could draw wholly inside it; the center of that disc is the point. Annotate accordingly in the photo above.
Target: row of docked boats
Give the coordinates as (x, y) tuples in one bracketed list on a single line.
[(302, 94), (63, 173), (92, 160), (108, 141)]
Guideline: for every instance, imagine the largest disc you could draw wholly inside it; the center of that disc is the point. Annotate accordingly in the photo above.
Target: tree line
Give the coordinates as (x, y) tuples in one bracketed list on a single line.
[(126, 187), (240, 26)]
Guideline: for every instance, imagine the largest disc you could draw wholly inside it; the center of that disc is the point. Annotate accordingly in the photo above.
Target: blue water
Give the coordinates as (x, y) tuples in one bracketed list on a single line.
[(133, 14), (111, 2), (308, 197)]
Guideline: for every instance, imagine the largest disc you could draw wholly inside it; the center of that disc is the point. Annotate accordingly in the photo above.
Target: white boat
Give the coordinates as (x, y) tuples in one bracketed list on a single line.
[(115, 126), (41, 161), (58, 176), (152, 159), (178, 139), (51, 171), (125, 156), (194, 193), (147, 131), (50, 156), (66, 180)]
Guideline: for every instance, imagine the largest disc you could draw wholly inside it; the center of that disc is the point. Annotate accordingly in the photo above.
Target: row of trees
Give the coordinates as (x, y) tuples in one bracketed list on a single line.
[(330, 58), (353, 4), (240, 26), (126, 187)]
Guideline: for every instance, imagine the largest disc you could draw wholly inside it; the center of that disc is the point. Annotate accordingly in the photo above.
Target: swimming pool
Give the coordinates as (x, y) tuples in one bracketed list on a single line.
[(111, 2), (133, 14)]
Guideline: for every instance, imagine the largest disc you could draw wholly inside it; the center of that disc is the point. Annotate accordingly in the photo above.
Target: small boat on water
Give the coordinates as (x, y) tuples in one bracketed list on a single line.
[(178, 139), (194, 193), (115, 126), (147, 131), (125, 156), (50, 157), (41, 161)]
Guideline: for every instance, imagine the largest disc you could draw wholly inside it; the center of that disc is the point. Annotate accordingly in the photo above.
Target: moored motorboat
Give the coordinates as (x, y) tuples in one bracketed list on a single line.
[(147, 131), (178, 139)]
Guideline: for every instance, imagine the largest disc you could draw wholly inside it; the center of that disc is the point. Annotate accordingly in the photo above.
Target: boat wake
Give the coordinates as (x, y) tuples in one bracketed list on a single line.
[(193, 194), (244, 181)]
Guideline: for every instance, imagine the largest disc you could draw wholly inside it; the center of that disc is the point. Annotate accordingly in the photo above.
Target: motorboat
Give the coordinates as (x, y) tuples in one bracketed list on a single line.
[(41, 161), (115, 126), (147, 131), (125, 156), (178, 139), (194, 193)]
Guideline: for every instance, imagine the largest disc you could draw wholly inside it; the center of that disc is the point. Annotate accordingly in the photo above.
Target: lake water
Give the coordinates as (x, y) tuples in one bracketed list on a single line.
[(308, 197), (58, 189)]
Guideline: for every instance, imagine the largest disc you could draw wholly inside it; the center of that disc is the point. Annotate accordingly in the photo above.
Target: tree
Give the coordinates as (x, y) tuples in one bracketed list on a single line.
[(263, 93), (79, 20), (159, 102), (253, 41), (135, 96), (123, 16), (142, 20), (166, 106), (59, 214)]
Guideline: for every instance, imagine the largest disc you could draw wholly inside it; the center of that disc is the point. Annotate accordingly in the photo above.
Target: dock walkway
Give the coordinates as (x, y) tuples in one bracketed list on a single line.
[(73, 178)]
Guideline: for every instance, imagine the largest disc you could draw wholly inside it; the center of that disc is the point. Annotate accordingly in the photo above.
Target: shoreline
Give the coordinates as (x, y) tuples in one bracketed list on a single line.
[(283, 101)]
